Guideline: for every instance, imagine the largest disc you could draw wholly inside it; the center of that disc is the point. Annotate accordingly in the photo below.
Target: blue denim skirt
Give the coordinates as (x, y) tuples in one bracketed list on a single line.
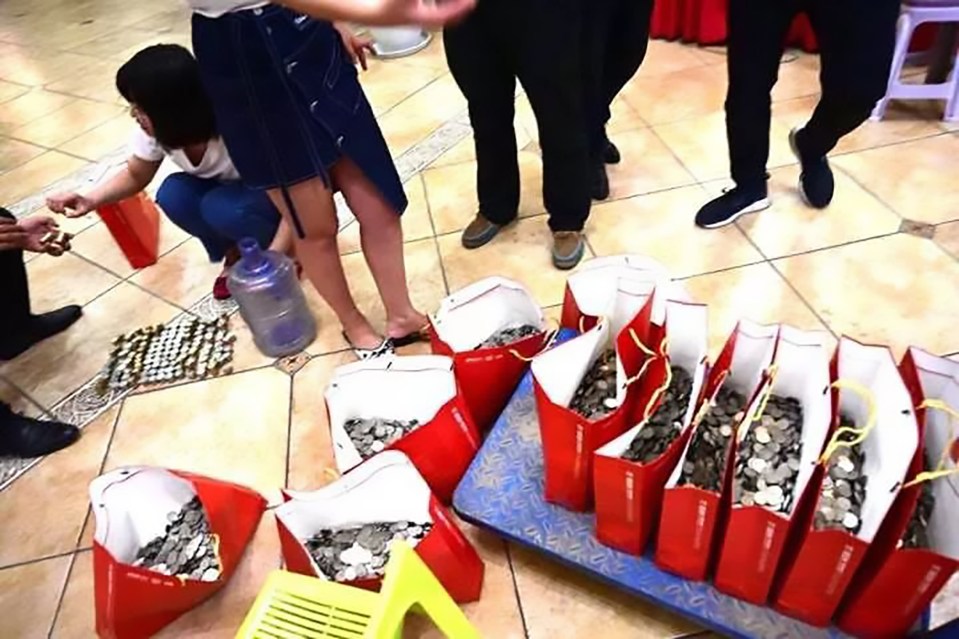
[(288, 102)]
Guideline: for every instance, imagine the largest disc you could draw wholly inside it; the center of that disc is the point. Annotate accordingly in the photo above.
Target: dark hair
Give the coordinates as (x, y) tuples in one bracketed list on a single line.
[(164, 82)]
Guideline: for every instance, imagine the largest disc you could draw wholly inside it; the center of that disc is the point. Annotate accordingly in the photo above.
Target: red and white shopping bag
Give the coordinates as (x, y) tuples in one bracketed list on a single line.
[(591, 289), (569, 438), (629, 494), (384, 489), (487, 376), (894, 584), (819, 565), (421, 387), (131, 506), (754, 537), (687, 537)]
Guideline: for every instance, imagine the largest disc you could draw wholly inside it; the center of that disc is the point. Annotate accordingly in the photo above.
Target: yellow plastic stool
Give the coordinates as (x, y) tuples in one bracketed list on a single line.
[(292, 606)]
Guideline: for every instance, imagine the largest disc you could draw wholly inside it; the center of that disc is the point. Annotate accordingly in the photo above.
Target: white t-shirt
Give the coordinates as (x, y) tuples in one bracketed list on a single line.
[(215, 165), (216, 8)]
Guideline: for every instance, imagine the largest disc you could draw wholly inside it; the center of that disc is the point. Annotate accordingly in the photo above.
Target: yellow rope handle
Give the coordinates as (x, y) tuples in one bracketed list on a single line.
[(649, 359), (860, 433), (941, 470), (639, 343), (773, 371), (582, 324), (648, 411), (549, 344)]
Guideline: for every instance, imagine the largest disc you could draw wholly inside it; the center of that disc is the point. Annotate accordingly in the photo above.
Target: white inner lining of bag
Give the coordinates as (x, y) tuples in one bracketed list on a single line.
[(940, 380), (385, 489), (400, 388), (560, 370), (131, 506), (687, 346), (803, 372), (467, 317), (890, 446), (596, 283)]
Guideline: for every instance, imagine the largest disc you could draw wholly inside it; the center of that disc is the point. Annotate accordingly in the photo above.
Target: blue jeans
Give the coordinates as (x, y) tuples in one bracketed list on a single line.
[(218, 213)]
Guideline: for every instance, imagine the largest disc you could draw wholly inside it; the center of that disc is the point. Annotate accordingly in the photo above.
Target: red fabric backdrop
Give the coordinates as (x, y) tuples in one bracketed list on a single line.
[(704, 22)]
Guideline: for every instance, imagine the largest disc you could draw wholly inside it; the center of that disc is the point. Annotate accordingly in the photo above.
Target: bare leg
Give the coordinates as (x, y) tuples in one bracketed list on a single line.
[(381, 237), (320, 256)]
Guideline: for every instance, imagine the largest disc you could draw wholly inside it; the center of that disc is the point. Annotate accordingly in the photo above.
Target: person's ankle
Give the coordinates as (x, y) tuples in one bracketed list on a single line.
[(406, 322)]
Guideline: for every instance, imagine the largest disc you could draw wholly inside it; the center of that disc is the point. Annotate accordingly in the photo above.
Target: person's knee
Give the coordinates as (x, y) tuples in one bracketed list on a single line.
[(176, 196)]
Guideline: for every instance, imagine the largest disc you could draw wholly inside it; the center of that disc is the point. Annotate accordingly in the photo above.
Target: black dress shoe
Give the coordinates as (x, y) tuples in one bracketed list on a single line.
[(37, 329), (27, 437), (599, 182), (611, 153)]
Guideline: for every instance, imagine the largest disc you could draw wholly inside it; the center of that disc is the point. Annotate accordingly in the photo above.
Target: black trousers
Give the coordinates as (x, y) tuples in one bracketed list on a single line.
[(615, 39), (856, 41), (13, 284), (537, 41)]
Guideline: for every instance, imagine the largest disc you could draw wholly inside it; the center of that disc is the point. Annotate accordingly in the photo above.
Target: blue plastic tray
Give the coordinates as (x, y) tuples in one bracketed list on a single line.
[(503, 491)]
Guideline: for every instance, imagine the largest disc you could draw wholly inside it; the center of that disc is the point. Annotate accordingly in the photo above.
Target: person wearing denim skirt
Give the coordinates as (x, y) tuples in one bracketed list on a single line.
[(297, 124)]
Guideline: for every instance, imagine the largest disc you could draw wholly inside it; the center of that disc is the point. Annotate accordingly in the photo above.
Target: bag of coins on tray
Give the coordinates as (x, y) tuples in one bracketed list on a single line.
[(693, 495), (591, 290), (916, 552), (343, 532), (773, 459), (862, 469), (630, 472), (411, 404), (491, 329), (585, 389), (164, 542)]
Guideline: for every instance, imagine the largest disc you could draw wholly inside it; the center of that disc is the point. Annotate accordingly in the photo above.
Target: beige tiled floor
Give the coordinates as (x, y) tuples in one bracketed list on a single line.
[(848, 269)]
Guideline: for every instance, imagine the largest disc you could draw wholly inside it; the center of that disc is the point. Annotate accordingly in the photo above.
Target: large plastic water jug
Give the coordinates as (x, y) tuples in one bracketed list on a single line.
[(265, 286)]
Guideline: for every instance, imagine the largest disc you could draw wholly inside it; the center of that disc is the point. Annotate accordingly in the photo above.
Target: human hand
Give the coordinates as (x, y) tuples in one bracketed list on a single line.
[(70, 204), (11, 235), (356, 46), (428, 13), (43, 236)]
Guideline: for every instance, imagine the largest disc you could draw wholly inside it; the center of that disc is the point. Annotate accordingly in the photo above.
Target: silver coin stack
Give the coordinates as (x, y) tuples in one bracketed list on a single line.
[(186, 349), (917, 531), (843, 487), (187, 549), (768, 458), (361, 552), (507, 336), (666, 423), (596, 395), (706, 458), (373, 435)]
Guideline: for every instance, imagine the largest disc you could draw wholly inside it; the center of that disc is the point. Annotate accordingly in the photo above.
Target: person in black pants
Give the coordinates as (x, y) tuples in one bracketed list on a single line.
[(19, 329), (856, 41), (537, 41), (615, 39)]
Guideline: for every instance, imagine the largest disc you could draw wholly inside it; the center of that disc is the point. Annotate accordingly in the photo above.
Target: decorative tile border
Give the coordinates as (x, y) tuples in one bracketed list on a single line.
[(84, 405)]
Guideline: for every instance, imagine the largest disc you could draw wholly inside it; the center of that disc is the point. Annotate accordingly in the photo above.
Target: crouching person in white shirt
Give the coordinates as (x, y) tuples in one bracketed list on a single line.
[(206, 198)]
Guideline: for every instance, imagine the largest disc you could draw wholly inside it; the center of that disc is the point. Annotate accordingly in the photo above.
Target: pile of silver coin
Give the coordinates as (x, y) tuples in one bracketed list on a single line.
[(705, 459), (596, 395), (768, 458), (917, 531), (509, 335), (373, 435), (666, 423), (185, 349), (843, 487), (361, 552), (187, 549)]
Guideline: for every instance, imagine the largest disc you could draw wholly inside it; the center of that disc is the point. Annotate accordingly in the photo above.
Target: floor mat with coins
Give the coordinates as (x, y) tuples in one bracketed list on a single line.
[(185, 349), (187, 549), (666, 423), (595, 397), (768, 457), (361, 552), (508, 335)]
